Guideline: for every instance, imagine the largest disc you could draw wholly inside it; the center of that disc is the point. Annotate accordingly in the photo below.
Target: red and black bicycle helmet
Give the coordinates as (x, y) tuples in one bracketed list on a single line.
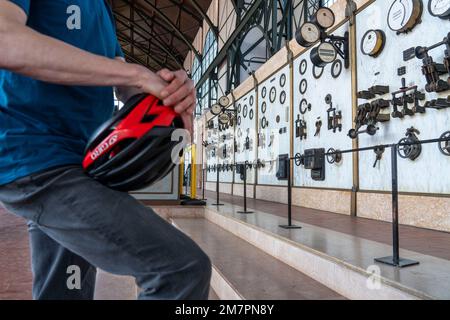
[(133, 150)]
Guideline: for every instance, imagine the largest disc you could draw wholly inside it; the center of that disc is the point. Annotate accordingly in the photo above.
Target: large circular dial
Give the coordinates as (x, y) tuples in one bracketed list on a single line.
[(224, 118), (325, 17), (439, 8), (308, 34), (224, 101), (216, 109), (404, 15), (323, 54), (372, 43)]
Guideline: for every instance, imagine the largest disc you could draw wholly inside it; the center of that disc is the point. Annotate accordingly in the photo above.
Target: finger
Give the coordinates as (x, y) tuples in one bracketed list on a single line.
[(179, 79), (183, 92), (166, 74), (185, 104)]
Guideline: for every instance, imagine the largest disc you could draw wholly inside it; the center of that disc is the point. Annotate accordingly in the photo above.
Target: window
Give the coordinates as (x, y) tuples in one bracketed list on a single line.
[(209, 50), (328, 3)]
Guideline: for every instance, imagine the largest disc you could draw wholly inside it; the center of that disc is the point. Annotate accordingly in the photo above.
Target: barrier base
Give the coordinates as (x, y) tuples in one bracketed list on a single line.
[(401, 262)]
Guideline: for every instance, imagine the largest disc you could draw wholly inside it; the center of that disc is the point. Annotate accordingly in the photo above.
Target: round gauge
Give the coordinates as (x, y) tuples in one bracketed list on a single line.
[(216, 109), (404, 15), (439, 8), (325, 17), (239, 121), (239, 108), (245, 111), (317, 72), (264, 107), (372, 43), (283, 97), (304, 106), (251, 114), (303, 86), (308, 34), (282, 80), (278, 119), (263, 92), (303, 66), (273, 94), (336, 68), (252, 99), (224, 101), (224, 118), (323, 54)]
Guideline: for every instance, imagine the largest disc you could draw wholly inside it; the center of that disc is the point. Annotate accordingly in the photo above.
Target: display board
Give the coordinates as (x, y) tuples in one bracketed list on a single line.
[(246, 136), (273, 124), (320, 94), (212, 149), (384, 58)]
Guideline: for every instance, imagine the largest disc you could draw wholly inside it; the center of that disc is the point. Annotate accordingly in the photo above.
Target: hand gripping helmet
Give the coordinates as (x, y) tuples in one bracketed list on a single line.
[(133, 150)]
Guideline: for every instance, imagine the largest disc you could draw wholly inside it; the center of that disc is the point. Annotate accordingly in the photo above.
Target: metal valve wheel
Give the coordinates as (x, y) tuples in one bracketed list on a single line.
[(335, 157), (444, 146), (299, 160)]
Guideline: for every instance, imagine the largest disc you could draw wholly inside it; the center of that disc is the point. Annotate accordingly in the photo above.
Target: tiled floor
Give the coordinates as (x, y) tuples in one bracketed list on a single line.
[(429, 242)]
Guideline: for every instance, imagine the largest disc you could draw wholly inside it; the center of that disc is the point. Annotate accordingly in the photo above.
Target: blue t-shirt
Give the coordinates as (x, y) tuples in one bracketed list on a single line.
[(44, 125)]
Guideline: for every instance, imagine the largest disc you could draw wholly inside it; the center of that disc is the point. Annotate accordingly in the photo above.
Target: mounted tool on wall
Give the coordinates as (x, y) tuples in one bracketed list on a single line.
[(444, 146), (334, 156), (314, 159), (300, 128), (379, 151), (372, 43), (369, 115), (408, 148), (432, 70), (318, 127), (330, 45), (334, 117), (282, 167), (404, 96)]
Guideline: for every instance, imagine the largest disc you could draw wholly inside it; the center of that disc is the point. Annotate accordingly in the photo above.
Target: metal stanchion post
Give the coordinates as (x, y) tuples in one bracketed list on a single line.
[(203, 183), (218, 188), (289, 182), (245, 192), (395, 259)]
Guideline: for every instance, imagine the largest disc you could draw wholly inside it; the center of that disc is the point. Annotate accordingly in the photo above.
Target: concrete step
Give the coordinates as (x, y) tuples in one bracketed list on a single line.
[(341, 262), (242, 271)]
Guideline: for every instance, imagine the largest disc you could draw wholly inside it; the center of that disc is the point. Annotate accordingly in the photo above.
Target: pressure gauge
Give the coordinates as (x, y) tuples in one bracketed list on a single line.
[(273, 94), (404, 15), (308, 34), (282, 80), (216, 109), (372, 43), (323, 54), (324, 18), (439, 8), (224, 101), (224, 118)]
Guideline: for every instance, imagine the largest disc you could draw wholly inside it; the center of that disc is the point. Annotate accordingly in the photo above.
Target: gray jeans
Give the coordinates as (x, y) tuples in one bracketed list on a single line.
[(75, 221)]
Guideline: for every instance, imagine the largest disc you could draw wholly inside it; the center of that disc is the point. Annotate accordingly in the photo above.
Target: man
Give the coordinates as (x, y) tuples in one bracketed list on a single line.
[(59, 62)]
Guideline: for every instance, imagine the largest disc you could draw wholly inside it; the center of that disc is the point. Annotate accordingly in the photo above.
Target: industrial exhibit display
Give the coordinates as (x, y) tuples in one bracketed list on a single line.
[(309, 110)]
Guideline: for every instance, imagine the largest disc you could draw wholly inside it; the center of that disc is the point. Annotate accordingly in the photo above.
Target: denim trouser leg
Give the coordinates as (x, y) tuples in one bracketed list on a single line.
[(109, 230), (50, 262)]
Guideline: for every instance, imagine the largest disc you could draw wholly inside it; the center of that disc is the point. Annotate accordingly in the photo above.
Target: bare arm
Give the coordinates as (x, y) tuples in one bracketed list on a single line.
[(27, 52)]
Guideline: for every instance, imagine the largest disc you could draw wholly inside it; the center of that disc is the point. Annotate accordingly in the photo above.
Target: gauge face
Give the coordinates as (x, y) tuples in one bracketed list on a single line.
[(336, 68), (273, 94), (439, 8), (308, 34), (264, 92), (224, 101), (303, 66), (224, 119), (252, 99), (303, 86), (325, 18), (283, 97), (245, 111), (251, 114), (239, 108), (216, 109), (282, 80), (264, 107), (404, 14), (317, 72), (372, 42), (323, 54), (303, 106)]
